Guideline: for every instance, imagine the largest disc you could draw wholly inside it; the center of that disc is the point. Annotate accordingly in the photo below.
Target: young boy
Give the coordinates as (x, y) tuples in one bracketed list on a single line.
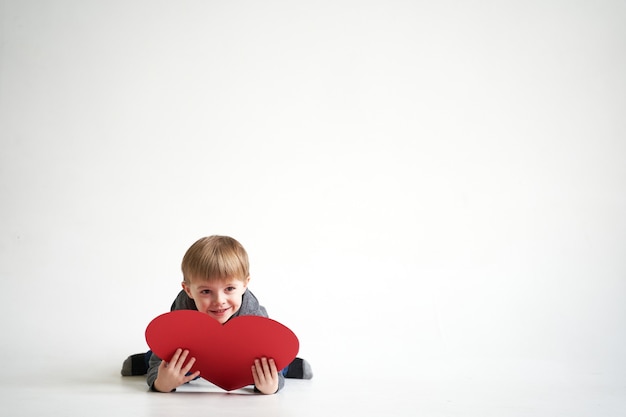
[(215, 281)]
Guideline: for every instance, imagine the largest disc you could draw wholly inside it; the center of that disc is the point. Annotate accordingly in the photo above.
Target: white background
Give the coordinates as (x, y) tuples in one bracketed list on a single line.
[(416, 182)]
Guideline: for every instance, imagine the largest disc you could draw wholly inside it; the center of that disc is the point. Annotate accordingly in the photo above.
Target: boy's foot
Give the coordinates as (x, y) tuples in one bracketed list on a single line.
[(299, 369), (135, 365)]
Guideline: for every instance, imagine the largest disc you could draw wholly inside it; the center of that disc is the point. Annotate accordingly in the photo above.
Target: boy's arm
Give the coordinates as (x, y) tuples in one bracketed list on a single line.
[(281, 380), (153, 371)]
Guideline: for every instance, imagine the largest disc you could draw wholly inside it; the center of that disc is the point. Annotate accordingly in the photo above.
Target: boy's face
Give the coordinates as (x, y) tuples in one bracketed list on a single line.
[(218, 299)]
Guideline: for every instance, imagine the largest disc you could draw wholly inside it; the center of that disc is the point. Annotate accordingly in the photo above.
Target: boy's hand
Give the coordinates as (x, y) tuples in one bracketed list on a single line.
[(173, 374), (265, 375)]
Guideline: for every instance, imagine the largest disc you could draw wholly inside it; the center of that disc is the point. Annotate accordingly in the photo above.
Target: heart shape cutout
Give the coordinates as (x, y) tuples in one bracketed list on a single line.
[(224, 353)]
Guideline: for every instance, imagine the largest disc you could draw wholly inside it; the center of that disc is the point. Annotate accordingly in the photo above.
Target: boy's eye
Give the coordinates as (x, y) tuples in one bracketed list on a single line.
[(205, 292), (230, 289)]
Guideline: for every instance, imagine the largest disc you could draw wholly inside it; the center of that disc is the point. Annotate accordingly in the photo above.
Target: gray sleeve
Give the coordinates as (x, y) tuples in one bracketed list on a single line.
[(153, 370), (281, 381)]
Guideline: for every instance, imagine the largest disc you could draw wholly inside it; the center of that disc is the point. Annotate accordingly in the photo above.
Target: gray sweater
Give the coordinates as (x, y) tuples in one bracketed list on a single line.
[(249, 307)]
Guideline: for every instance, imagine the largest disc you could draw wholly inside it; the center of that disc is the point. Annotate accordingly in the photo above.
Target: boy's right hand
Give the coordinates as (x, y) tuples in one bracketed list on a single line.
[(173, 374)]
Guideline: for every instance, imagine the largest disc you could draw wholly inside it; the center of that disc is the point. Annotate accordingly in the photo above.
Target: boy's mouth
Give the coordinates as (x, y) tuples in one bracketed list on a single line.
[(220, 311)]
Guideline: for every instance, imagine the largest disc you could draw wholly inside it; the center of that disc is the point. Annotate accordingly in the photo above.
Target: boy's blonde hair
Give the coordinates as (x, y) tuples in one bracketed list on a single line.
[(215, 258)]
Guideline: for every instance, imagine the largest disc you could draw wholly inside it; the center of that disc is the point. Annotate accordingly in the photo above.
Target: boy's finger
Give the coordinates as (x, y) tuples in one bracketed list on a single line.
[(266, 367), (192, 376), (189, 365), (259, 369), (175, 356), (183, 357), (255, 376), (273, 368)]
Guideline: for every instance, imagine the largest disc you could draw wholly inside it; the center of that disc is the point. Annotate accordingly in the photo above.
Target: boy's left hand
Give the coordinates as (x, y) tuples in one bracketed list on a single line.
[(265, 375)]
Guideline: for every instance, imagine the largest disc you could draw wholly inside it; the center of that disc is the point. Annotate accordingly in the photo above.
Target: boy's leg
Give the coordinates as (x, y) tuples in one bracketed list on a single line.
[(136, 364), (298, 369)]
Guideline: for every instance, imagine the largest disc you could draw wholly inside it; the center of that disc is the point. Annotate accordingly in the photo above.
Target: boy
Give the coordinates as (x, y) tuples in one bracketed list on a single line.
[(215, 281)]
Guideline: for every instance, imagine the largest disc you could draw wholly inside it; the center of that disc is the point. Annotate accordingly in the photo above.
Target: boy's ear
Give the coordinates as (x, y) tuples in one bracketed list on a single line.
[(246, 281), (187, 289)]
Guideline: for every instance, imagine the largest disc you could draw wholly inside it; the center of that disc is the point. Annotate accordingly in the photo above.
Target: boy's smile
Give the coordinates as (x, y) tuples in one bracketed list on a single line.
[(218, 299), (220, 312)]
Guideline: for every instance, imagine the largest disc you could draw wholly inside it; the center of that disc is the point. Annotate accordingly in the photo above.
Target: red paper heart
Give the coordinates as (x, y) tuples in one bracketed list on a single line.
[(224, 353)]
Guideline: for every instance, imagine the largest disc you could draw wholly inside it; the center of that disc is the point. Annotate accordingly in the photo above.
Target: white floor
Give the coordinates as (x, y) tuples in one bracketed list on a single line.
[(518, 390)]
